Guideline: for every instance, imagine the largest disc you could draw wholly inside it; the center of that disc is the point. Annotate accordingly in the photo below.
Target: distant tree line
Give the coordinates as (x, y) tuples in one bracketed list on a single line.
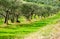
[(48, 2)]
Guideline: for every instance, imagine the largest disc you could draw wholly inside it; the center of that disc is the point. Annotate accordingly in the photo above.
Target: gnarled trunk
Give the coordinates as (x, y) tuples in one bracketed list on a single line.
[(12, 19), (7, 17), (17, 19)]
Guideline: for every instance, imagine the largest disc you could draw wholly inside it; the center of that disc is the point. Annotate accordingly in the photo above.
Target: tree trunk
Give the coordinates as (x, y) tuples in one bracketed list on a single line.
[(17, 19), (28, 18), (6, 18), (12, 19)]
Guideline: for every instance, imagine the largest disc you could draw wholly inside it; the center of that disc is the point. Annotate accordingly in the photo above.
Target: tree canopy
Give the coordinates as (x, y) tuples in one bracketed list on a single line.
[(12, 9)]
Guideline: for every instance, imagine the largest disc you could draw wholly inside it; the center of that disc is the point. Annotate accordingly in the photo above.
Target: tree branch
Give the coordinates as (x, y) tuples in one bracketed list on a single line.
[(2, 15)]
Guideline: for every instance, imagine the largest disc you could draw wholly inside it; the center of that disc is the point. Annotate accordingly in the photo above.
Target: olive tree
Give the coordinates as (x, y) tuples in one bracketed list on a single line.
[(9, 7)]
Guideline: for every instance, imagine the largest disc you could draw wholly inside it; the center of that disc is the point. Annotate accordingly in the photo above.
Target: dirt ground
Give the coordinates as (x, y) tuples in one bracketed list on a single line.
[(54, 34)]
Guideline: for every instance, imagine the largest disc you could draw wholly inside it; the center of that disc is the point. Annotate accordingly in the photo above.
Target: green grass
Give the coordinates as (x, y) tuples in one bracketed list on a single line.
[(20, 30)]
